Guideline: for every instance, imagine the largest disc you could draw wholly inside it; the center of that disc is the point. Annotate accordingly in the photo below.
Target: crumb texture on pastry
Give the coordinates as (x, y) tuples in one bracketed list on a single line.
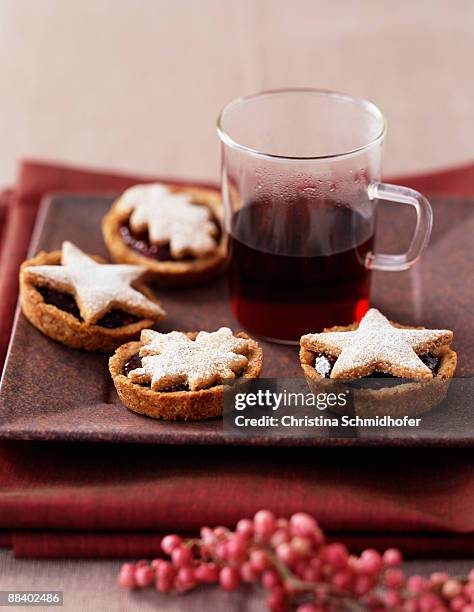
[(180, 404), (97, 288), (67, 326), (173, 359), (378, 345), (196, 263), (170, 218)]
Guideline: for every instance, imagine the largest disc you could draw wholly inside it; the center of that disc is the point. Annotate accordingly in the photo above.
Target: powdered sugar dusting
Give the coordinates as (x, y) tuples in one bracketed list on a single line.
[(172, 359), (171, 218), (378, 345), (96, 287)]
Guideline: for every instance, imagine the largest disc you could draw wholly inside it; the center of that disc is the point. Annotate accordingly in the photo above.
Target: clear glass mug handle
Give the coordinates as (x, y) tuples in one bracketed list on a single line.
[(421, 235)]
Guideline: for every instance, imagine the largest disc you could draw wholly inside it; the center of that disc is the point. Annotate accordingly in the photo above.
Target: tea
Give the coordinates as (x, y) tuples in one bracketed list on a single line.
[(298, 266)]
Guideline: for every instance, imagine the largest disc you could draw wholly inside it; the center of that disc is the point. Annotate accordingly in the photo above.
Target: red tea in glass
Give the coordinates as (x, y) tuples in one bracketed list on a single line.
[(300, 185), (300, 268)]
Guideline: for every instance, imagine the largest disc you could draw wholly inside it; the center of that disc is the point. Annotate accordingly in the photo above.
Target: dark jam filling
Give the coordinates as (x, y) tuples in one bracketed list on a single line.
[(139, 241), (136, 362), (66, 302), (323, 364)]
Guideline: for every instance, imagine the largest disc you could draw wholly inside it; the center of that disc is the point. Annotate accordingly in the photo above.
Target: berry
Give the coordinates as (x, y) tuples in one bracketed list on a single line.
[(392, 557), (280, 535), (394, 578), (181, 556), (229, 579), (286, 553), (245, 526), (438, 578), (457, 603), (429, 602), (222, 551), (264, 523), (270, 579), (207, 573), (156, 563), (165, 570), (370, 562), (220, 531), (207, 536), (235, 548), (144, 576), (301, 545), (248, 573), (169, 543), (342, 579), (392, 599), (259, 560), (185, 577), (416, 584), (126, 577), (336, 555), (302, 524), (451, 588), (310, 574), (163, 586), (362, 585), (276, 600)]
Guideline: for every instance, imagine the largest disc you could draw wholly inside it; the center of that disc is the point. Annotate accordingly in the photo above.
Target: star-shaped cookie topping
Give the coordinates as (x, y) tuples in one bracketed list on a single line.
[(377, 345), (173, 359), (171, 219), (97, 288)]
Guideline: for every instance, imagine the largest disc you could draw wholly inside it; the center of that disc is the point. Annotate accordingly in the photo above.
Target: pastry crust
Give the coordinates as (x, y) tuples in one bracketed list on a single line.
[(176, 405), (65, 327), (169, 273), (406, 399)]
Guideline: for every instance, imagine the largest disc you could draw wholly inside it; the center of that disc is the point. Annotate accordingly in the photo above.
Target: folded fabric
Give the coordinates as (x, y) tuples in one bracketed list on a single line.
[(69, 499), (146, 545), (115, 500), (456, 182)]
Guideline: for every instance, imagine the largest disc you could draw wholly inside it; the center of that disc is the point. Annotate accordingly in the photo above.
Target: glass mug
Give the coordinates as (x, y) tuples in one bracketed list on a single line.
[(300, 183)]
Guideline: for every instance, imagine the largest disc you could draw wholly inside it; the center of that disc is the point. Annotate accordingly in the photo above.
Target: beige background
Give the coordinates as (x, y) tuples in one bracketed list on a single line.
[(136, 85)]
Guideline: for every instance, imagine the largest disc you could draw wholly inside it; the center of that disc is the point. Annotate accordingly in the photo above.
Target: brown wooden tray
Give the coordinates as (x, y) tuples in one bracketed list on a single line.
[(51, 392)]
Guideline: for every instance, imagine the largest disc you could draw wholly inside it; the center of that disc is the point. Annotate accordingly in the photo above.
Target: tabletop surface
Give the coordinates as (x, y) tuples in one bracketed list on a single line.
[(90, 585), (68, 394)]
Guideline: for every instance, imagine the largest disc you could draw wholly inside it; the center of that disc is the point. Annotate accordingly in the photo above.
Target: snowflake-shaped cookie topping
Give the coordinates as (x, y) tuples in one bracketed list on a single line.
[(172, 359), (171, 218), (377, 345), (96, 287)]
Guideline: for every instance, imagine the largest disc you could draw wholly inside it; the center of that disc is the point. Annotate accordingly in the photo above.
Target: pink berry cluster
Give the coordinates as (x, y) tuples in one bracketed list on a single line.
[(298, 568)]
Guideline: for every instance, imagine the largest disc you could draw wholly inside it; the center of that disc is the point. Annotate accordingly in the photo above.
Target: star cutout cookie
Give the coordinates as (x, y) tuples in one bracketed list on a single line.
[(377, 345), (172, 359), (97, 288), (171, 219)]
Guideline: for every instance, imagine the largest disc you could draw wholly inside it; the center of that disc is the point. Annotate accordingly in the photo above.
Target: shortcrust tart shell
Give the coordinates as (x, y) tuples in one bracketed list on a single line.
[(65, 327), (405, 399), (171, 272), (176, 405)]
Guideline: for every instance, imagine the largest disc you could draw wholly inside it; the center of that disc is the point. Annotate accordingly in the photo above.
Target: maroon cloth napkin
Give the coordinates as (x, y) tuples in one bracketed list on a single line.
[(61, 499), (115, 500)]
